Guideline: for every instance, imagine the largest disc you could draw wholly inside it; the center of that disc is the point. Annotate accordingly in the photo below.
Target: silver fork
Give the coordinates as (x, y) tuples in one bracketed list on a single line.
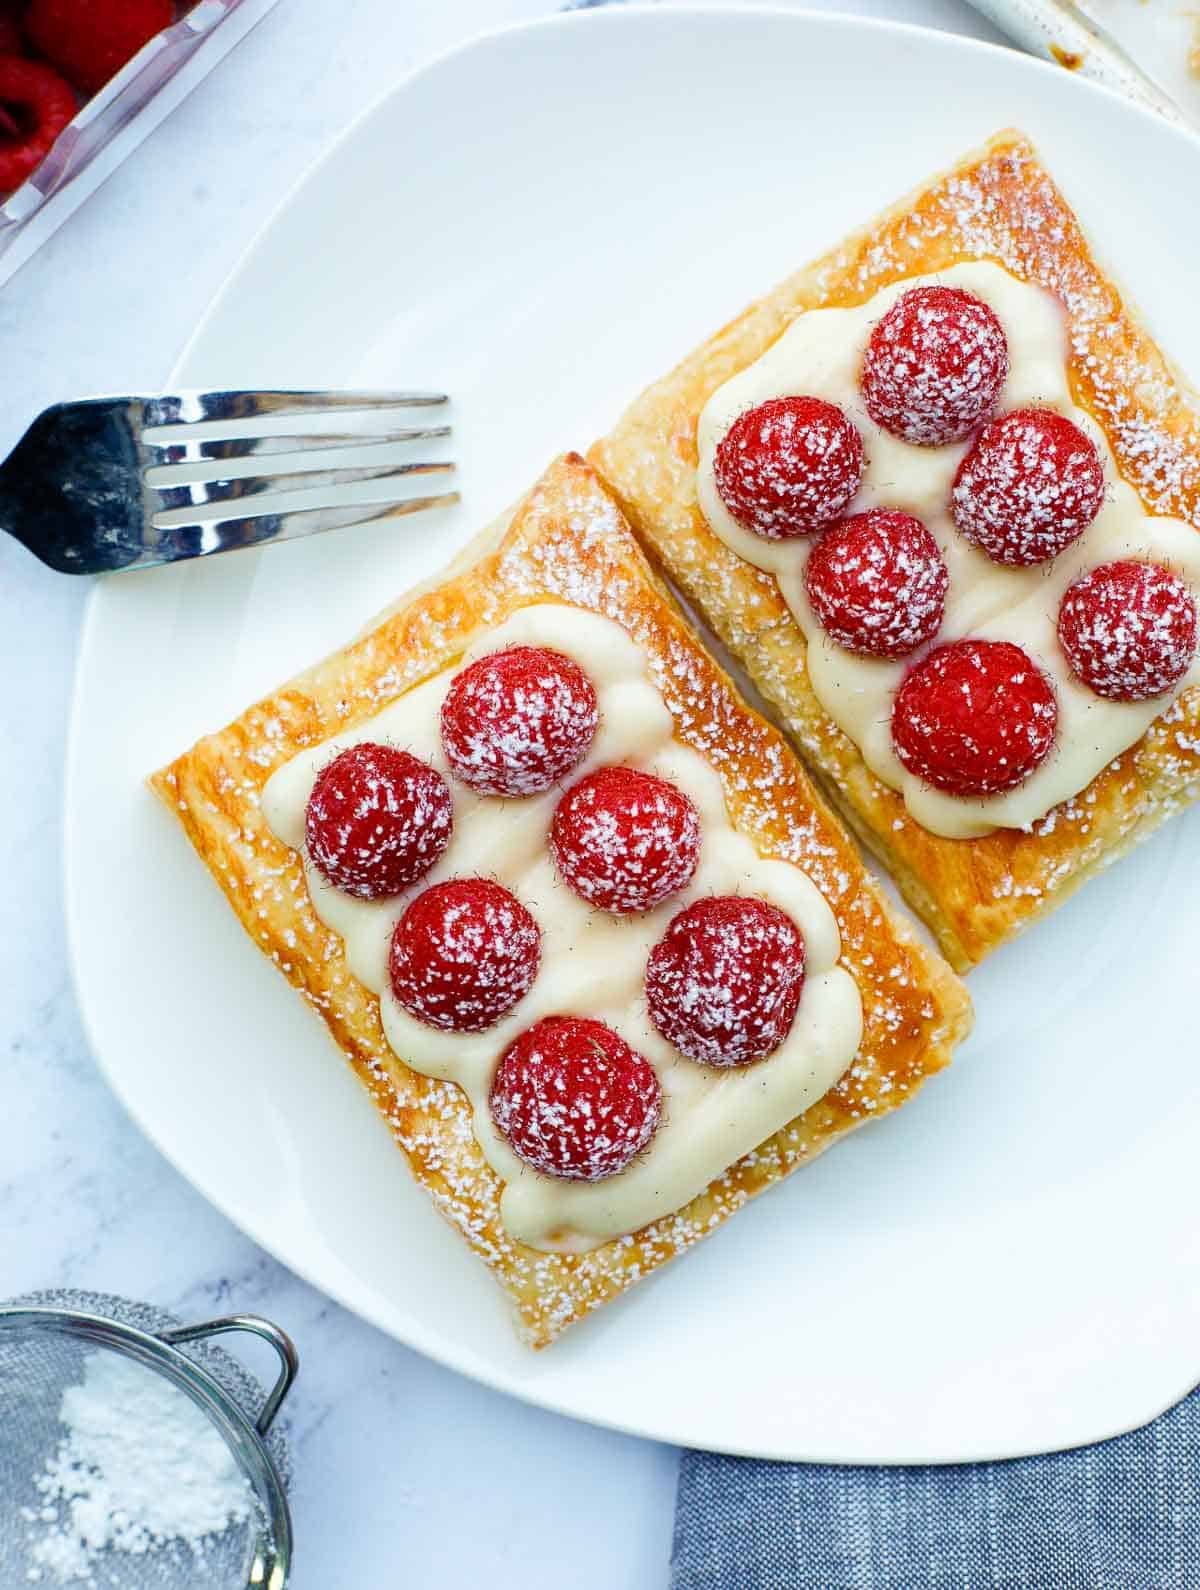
[(124, 483)]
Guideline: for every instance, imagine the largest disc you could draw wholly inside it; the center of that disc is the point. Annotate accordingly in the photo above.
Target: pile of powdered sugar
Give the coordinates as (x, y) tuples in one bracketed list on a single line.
[(141, 1469)]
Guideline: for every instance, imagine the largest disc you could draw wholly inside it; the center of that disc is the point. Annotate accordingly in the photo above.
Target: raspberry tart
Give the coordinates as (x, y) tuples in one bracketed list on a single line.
[(637, 975), (988, 650)]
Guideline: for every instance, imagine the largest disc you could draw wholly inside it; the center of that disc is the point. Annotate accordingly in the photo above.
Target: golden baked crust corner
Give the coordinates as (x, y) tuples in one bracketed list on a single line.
[(998, 203), (567, 542)]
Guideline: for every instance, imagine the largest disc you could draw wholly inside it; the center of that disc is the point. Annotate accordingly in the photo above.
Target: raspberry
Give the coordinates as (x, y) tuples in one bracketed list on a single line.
[(377, 820), (1129, 630), (625, 840), (90, 40), (574, 1100), (516, 722), (974, 718), (1030, 485), (878, 583), (724, 981), (11, 41), (35, 106), (934, 366), (789, 466), (463, 954)]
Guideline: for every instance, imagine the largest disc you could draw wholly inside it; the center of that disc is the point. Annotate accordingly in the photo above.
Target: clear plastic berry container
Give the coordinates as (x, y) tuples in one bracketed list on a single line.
[(113, 122)]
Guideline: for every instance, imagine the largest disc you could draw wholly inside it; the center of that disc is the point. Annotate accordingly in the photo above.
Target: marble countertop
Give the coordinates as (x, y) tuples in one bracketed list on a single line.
[(405, 1472)]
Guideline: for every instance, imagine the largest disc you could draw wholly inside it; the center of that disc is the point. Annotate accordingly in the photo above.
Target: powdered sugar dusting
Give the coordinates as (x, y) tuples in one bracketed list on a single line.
[(1030, 485), (516, 722), (934, 366), (974, 718), (724, 981), (789, 466), (878, 583), (574, 1100), (463, 955), (1129, 630), (377, 820), (625, 840)]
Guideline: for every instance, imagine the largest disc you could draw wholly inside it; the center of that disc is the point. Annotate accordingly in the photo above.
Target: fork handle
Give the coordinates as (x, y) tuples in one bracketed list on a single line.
[(71, 492), (68, 536)]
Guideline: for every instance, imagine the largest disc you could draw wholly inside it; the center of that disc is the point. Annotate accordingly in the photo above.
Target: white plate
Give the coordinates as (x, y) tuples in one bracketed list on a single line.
[(543, 221)]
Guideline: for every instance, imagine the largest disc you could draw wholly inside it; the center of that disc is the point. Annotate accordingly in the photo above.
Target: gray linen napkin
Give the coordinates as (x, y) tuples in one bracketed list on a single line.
[(1121, 1515)]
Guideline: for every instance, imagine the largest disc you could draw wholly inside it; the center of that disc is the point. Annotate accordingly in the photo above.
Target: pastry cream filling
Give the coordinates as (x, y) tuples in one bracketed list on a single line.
[(820, 355), (592, 964)]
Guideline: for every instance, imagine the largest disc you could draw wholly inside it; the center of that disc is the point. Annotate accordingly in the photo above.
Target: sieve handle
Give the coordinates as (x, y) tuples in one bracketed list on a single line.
[(289, 1362)]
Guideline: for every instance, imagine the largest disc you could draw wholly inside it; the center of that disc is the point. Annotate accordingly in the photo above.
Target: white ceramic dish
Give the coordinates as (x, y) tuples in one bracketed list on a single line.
[(543, 221)]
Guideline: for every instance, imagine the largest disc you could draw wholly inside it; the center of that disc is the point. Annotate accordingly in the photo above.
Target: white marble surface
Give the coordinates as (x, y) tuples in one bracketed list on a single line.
[(405, 1473)]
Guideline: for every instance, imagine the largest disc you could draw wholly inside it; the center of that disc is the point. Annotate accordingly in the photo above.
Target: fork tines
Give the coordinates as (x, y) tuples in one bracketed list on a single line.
[(200, 453)]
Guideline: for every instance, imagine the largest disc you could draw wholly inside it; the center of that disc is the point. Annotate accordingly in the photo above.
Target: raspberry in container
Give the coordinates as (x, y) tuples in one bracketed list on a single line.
[(82, 82)]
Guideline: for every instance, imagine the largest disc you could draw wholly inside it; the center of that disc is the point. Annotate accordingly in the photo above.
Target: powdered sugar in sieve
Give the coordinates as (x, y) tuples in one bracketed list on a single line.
[(135, 1454)]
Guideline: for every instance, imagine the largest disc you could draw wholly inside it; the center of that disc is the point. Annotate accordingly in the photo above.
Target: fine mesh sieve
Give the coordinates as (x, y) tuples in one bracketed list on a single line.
[(45, 1340)]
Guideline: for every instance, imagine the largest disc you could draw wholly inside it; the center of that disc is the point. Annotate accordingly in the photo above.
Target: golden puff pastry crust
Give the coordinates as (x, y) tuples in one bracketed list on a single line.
[(998, 204), (567, 542)]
